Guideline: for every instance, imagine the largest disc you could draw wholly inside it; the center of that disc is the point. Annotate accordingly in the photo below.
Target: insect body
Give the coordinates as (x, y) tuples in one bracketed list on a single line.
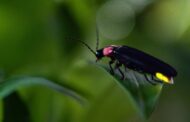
[(136, 60), (139, 61)]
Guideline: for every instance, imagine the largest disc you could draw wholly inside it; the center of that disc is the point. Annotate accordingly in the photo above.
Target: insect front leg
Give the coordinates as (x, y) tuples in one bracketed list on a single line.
[(110, 65), (117, 66)]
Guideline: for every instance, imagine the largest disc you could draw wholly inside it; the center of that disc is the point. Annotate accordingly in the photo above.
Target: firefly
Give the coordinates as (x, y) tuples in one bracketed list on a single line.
[(135, 60)]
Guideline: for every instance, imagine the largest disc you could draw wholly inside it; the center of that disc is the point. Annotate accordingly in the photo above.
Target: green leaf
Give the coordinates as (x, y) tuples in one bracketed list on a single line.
[(10, 85), (144, 94)]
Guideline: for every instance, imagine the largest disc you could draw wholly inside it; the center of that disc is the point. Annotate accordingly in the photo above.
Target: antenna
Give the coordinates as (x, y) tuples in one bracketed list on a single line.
[(88, 47), (85, 45), (97, 37)]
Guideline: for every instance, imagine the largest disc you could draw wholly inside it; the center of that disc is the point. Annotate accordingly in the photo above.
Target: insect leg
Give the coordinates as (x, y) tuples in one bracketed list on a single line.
[(110, 65), (125, 73), (152, 77), (150, 81), (135, 78), (117, 66)]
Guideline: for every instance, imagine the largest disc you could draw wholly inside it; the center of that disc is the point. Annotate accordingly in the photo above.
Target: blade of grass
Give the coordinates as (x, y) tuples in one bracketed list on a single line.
[(10, 85)]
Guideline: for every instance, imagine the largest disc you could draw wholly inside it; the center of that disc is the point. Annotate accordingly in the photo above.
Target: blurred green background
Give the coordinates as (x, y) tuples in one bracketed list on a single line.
[(40, 38)]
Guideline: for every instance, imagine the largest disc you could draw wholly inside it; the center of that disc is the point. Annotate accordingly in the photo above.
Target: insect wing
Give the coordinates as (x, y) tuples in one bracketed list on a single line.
[(140, 61)]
